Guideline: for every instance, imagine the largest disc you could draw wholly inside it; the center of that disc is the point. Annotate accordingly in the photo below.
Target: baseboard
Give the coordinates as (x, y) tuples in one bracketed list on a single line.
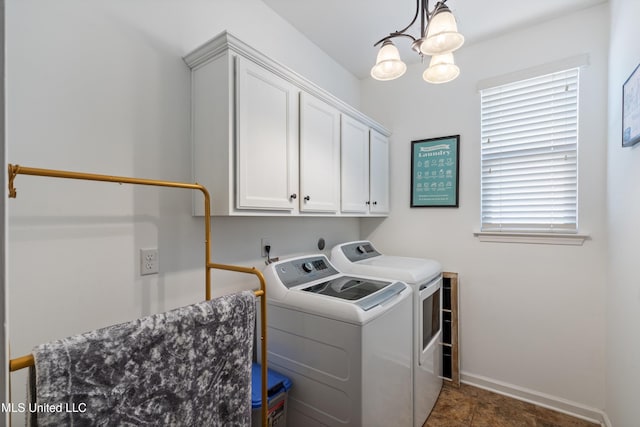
[(547, 401)]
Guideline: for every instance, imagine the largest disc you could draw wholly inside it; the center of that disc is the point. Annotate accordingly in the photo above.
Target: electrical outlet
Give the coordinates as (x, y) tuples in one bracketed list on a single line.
[(264, 242), (149, 261)]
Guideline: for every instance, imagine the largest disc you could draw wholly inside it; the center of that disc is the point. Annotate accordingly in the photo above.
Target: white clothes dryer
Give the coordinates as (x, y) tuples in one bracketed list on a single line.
[(425, 277), (343, 342)]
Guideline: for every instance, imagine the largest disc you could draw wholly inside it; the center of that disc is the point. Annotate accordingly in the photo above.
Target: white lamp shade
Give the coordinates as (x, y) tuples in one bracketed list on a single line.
[(388, 66), (442, 34), (441, 69)]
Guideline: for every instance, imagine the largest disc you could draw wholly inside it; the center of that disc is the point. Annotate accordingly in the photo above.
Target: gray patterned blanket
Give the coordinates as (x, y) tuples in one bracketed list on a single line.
[(186, 367)]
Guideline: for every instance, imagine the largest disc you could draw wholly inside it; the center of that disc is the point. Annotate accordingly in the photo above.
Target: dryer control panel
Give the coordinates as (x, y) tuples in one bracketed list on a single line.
[(357, 251), (304, 270)]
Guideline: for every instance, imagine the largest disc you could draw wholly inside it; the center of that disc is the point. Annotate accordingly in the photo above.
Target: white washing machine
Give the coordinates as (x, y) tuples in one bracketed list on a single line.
[(425, 277), (343, 342)]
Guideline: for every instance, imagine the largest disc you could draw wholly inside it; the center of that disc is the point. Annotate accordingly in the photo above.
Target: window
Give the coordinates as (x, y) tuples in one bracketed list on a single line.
[(529, 139)]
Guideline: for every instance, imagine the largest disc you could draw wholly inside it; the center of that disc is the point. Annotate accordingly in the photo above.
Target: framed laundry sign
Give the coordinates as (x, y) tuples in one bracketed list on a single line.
[(435, 171), (631, 109)]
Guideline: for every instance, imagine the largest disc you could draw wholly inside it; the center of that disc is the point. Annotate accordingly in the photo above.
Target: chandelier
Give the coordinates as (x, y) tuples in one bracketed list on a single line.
[(439, 37)]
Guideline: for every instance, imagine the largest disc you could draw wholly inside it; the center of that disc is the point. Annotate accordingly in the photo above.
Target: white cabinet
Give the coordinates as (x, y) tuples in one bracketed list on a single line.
[(365, 169), (212, 139), (319, 155), (378, 173), (244, 137), (266, 141), (355, 166)]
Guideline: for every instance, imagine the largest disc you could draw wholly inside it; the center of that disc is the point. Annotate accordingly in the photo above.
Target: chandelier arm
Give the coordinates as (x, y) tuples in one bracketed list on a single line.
[(424, 16), (415, 17), (392, 35), (401, 32)]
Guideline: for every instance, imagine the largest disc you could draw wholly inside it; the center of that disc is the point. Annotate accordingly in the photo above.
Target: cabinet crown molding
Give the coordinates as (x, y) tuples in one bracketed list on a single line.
[(227, 42)]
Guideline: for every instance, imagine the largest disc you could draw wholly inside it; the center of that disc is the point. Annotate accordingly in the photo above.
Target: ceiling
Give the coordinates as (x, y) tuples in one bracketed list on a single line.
[(347, 29)]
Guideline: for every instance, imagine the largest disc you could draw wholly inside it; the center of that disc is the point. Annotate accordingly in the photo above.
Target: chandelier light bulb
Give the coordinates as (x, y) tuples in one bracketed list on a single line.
[(388, 66), (442, 34), (441, 69)]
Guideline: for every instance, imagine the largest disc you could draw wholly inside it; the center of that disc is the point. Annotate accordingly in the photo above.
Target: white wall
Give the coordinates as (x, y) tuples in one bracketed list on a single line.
[(101, 87), (531, 316), (623, 202)]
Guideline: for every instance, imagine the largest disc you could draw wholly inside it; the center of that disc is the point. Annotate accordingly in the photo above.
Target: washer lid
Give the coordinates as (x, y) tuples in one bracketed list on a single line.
[(364, 292), (406, 269), (346, 287)]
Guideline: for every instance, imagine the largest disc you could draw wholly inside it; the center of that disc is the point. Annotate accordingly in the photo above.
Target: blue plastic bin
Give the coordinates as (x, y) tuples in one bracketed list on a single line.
[(277, 388)]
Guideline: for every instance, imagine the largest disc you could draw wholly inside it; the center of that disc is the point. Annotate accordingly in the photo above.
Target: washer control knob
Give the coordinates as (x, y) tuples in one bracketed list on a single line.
[(361, 249), (308, 267)]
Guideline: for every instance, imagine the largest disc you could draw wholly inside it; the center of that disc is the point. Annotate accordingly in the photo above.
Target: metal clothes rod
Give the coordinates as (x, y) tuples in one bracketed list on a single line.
[(14, 170)]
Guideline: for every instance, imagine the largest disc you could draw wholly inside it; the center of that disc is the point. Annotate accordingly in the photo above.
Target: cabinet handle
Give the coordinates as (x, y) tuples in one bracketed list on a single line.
[(307, 198), (293, 196), (367, 202), (375, 203)]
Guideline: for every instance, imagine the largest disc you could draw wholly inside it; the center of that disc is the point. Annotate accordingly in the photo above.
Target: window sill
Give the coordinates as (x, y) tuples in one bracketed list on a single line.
[(534, 238)]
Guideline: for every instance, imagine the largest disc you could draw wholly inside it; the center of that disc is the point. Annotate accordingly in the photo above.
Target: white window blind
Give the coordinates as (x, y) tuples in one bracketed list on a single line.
[(529, 138)]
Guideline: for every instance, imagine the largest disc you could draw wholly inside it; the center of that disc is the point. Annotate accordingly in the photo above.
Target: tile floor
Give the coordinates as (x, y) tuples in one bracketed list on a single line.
[(469, 406)]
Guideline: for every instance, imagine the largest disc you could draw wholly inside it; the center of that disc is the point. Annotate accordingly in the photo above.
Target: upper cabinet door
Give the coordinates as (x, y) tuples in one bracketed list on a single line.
[(266, 140), (319, 155), (379, 173), (355, 166)]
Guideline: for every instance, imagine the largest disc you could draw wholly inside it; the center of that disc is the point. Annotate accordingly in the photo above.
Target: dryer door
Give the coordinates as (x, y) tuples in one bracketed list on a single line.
[(429, 318)]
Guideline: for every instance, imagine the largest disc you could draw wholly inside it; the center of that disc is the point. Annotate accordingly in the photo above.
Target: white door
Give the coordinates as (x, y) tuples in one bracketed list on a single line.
[(266, 140), (355, 166), (319, 155), (379, 173)]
